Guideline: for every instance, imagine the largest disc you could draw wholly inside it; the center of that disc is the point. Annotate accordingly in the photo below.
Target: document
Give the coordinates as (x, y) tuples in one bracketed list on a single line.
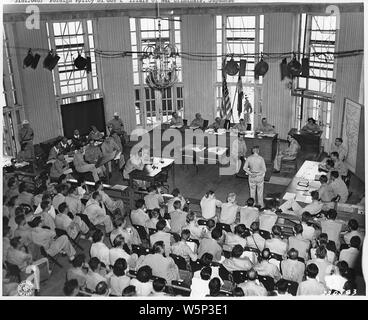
[(289, 196)]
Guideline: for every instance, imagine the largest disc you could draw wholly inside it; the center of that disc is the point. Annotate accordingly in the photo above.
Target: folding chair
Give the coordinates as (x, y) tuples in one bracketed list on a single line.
[(52, 259), (224, 274), (140, 250), (265, 234), (13, 271), (74, 242), (292, 286), (223, 226), (202, 222), (180, 288), (151, 231), (195, 265), (239, 276), (141, 231), (267, 281), (179, 261)]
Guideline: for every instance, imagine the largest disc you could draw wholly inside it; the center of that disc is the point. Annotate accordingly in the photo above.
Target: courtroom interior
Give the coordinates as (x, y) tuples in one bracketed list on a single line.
[(190, 150)]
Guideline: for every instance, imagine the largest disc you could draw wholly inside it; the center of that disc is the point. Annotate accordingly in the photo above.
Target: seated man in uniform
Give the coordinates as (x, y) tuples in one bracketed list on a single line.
[(241, 126), (339, 148), (339, 187), (289, 153), (135, 162), (265, 127), (217, 124), (176, 120), (116, 125), (198, 121), (311, 127)]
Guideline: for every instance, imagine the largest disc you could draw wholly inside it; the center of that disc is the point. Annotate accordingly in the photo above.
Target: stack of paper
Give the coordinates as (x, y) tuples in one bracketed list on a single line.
[(303, 198), (289, 196)]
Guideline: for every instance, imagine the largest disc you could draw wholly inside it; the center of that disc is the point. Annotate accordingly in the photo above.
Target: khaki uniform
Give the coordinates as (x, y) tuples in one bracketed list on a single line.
[(256, 164), (26, 135)]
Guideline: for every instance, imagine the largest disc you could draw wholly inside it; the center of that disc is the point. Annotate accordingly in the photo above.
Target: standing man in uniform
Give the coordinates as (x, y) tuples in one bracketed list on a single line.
[(116, 125), (255, 167), (26, 135)]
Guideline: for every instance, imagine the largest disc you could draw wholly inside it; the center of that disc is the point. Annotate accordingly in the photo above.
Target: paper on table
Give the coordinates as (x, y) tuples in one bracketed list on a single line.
[(119, 187), (303, 198), (289, 196)]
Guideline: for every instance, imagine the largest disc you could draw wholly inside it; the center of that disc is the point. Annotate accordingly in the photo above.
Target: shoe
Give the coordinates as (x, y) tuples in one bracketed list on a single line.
[(276, 171)]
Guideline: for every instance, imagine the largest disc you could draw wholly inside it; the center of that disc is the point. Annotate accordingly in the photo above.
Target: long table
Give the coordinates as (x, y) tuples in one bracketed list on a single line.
[(267, 143), (307, 175)]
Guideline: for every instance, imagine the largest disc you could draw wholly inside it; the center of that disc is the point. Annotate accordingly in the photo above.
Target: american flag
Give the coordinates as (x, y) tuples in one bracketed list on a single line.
[(226, 110)]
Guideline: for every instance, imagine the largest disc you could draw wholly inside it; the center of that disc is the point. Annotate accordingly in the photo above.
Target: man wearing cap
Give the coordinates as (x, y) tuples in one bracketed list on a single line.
[(265, 127), (26, 135), (255, 167), (116, 125)]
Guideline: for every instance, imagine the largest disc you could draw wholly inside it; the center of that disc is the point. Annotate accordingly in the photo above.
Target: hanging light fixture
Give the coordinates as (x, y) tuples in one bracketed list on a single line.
[(159, 62)]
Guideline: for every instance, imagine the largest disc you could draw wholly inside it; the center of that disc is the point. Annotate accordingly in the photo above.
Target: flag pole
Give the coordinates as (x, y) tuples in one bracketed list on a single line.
[(232, 107)]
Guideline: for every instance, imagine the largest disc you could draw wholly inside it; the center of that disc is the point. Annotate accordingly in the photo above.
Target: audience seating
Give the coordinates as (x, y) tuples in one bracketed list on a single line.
[(179, 261), (74, 242), (223, 226), (53, 259), (142, 232), (265, 234), (140, 250), (202, 222), (268, 282), (239, 276)]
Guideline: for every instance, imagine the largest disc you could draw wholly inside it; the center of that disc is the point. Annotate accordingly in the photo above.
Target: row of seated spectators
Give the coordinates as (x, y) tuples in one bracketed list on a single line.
[(173, 242)]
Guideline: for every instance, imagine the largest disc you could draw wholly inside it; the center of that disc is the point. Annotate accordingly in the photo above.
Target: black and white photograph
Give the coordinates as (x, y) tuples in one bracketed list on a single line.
[(207, 151)]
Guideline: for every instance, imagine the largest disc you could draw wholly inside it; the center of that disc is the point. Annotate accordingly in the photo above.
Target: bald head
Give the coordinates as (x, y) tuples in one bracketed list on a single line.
[(252, 275)]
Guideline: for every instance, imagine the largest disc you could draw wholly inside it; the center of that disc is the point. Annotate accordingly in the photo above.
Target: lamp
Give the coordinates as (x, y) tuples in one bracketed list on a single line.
[(51, 60), (159, 62), (31, 60)]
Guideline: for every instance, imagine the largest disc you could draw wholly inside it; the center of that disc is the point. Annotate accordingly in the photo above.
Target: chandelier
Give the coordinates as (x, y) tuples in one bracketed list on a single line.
[(159, 62)]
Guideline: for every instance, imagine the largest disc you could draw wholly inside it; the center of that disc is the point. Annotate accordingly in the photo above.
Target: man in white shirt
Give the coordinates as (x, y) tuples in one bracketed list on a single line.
[(139, 215), (182, 249), (208, 205), (160, 235), (268, 218), (308, 231), (199, 287), (60, 197), (135, 162), (255, 240), (353, 231), (249, 213), (229, 210), (96, 212), (153, 200), (291, 206), (236, 238), (252, 287), (178, 218), (265, 268), (176, 196), (351, 254), (118, 252), (340, 165), (324, 267), (255, 167), (311, 286), (237, 262), (93, 276), (299, 243), (339, 148), (332, 227), (212, 245), (339, 187), (162, 266), (73, 201), (336, 281), (99, 248), (292, 269)]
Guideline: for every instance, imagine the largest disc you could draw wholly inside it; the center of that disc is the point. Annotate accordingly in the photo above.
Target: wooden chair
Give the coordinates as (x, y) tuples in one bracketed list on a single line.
[(74, 242), (142, 232)]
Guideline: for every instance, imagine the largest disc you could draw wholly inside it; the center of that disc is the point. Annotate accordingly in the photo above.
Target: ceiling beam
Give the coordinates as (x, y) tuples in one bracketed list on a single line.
[(80, 12)]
